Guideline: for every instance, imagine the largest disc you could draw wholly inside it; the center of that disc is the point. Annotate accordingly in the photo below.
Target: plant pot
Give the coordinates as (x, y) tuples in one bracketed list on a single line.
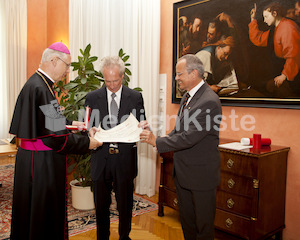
[(82, 197)]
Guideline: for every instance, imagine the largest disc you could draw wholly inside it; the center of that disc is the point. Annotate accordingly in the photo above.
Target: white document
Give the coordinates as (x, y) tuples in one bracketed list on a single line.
[(234, 146), (127, 132)]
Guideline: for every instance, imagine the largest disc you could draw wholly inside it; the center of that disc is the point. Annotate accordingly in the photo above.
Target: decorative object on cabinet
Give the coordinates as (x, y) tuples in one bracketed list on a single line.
[(251, 194)]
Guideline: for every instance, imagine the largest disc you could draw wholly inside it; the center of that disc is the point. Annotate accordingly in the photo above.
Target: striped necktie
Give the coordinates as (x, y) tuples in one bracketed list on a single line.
[(187, 96)]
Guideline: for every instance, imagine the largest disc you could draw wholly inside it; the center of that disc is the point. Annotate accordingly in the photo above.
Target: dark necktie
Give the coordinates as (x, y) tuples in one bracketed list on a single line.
[(187, 96), (113, 110)]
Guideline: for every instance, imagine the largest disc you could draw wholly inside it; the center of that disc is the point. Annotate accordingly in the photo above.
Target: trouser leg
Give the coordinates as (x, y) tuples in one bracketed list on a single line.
[(102, 197), (197, 212), (124, 198)]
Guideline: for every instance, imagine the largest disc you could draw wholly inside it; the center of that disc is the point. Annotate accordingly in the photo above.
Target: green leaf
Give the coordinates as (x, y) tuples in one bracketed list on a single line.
[(89, 72), (126, 78), (128, 71), (71, 167), (125, 83), (56, 89), (72, 97), (59, 84), (91, 59), (83, 80), (80, 62), (70, 86), (125, 58), (87, 50), (75, 66), (95, 86), (138, 89), (121, 53), (75, 175), (81, 96)]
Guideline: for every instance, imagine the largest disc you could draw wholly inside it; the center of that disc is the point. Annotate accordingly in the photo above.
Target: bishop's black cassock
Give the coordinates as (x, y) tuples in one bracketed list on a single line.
[(39, 198)]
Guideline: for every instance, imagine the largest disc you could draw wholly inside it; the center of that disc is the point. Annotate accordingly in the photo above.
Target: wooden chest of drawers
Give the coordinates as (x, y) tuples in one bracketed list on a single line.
[(251, 194)]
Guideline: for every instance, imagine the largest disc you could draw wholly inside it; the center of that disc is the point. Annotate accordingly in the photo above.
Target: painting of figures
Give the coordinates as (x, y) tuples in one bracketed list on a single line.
[(250, 49)]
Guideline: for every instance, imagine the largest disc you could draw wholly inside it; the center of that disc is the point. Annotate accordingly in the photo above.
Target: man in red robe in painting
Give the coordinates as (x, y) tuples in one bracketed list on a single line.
[(283, 41)]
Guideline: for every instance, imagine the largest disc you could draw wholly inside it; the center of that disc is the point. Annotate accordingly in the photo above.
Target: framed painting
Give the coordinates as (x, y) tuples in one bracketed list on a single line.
[(250, 49)]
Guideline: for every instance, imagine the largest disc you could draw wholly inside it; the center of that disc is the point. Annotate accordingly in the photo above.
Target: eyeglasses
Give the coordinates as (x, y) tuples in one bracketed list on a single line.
[(180, 73), (68, 65)]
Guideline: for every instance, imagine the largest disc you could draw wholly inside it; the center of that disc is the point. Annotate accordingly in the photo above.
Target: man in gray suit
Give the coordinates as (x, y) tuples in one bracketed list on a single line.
[(194, 141)]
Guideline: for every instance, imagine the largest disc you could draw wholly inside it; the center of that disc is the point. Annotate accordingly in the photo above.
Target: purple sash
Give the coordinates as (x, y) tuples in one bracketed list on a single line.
[(34, 145)]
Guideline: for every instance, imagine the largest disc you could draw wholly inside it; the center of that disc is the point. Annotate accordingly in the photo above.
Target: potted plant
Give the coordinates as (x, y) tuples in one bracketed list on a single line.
[(72, 98)]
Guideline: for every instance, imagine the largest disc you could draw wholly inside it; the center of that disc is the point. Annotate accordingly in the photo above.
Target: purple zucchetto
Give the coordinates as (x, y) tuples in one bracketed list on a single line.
[(59, 46)]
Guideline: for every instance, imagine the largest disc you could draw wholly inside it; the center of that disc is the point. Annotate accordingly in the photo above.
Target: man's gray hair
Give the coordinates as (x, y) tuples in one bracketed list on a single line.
[(111, 61), (212, 24), (193, 63), (48, 54)]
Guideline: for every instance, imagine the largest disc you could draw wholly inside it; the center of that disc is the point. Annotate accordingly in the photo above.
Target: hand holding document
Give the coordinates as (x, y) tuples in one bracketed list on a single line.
[(126, 132), (79, 125)]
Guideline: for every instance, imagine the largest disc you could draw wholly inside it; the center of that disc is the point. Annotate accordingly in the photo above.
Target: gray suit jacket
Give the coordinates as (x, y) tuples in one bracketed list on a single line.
[(195, 141)]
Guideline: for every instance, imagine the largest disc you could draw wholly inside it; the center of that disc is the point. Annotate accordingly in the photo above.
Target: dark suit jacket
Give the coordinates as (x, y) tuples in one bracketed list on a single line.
[(131, 102), (196, 154)]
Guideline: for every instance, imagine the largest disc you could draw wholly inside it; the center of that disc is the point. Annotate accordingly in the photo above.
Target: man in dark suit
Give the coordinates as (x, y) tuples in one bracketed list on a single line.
[(114, 165), (194, 141)]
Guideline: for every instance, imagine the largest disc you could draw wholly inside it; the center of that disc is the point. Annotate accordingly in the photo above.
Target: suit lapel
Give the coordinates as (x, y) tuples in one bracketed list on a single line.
[(124, 103), (102, 103), (195, 98)]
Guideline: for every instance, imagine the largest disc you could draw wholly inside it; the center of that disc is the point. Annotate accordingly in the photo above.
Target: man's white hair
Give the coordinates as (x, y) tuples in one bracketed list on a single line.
[(48, 54), (111, 61)]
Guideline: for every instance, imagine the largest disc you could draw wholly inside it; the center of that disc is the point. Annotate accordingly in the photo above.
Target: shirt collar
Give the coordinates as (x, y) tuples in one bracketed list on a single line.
[(195, 89), (40, 70), (118, 93)]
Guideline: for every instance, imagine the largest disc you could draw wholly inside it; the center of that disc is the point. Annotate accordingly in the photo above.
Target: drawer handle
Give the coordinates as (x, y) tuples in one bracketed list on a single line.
[(230, 203), (255, 183), (175, 202), (230, 163), (230, 183), (228, 222)]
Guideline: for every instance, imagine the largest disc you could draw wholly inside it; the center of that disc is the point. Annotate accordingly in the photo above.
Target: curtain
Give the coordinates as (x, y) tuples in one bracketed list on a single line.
[(134, 26), (13, 44)]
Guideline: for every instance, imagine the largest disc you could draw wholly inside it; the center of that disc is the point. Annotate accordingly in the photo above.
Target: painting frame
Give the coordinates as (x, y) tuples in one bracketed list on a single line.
[(252, 100)]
